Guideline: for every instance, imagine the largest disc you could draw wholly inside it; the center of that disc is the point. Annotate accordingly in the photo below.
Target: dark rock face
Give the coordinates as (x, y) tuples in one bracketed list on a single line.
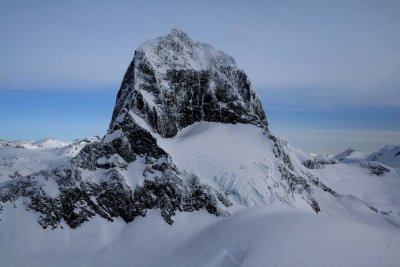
[(319, 162), (294, 183), (170, 93), (78, 201)]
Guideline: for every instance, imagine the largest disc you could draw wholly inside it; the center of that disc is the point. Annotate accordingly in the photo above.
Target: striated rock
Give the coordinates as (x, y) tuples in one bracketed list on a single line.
[(174, 81)]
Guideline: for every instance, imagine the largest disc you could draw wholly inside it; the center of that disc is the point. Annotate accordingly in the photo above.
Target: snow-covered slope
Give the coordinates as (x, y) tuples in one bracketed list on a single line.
[(240, 160), (378, 191), (275, 236)]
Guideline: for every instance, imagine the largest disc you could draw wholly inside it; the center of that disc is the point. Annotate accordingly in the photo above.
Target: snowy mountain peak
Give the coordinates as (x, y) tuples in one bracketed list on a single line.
[(388, 155), (178, 51), (378, 162), (188, 132), (174, 81), (181, 37), (74, 148), (179, 34), (351, 155), (51, 142)]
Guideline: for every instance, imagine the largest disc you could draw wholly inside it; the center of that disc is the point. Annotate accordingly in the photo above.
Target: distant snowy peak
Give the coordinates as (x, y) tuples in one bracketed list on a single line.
[(389, 155), (73, 149), (68, 148), (173, 82), (23, 158), (342, 155), (51, 142), (351, 155), (379, 163), (16, 144)]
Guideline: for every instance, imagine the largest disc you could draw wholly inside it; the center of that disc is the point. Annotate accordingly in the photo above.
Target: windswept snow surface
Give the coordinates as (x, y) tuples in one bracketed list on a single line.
[(265, 236)]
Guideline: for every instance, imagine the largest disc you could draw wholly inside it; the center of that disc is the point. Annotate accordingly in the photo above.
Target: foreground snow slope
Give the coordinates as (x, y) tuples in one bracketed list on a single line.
[(266, 236)]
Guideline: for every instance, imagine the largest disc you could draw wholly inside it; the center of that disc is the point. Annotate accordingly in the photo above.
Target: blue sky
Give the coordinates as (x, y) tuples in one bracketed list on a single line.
[(327, 72)]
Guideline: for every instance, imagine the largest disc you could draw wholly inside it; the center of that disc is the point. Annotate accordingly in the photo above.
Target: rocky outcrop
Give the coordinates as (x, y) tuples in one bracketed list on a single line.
[(318, 162), (375, 168), (77, 201)]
